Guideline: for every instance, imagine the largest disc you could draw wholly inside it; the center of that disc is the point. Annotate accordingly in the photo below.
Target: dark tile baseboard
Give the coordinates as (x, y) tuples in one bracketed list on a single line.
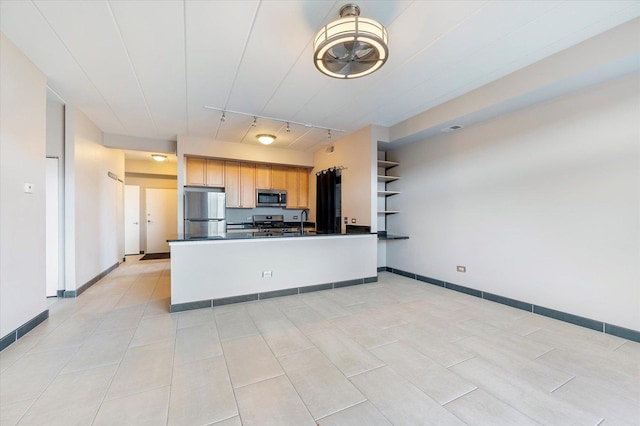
[(77, 292), (614, 330), (12, 337), (179, 307)]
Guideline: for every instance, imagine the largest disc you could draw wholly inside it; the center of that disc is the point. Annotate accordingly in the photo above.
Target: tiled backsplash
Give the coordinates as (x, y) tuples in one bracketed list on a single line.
[(241, 215)]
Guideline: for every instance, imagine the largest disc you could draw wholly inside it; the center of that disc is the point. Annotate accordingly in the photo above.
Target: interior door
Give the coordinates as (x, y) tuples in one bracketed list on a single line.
[(162, 218), (131, 219), (51, 232)]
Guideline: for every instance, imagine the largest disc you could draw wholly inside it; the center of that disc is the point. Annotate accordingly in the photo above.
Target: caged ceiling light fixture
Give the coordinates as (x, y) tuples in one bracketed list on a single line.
[(350, 47)]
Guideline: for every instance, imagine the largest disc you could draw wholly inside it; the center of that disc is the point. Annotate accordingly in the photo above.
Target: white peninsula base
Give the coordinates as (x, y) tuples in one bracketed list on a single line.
[(206, 273)]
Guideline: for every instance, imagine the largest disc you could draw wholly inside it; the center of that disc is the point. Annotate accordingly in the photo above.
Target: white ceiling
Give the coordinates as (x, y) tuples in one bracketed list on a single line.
[(147, 68)]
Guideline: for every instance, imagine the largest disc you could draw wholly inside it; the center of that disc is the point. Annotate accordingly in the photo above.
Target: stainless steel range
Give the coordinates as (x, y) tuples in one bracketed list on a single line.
[(270, 225)]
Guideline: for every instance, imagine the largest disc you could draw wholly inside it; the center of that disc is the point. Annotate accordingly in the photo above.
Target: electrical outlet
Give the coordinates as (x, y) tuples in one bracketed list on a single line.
[(353, 220), (266, 274), (461, 268), (295, 217), (346, 219)]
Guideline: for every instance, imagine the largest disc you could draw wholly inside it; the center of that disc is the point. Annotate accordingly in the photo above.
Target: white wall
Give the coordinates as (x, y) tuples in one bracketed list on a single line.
[(541, 205), (95, 202), (357, 152), (22, 216), (241, 151), (55, 148)]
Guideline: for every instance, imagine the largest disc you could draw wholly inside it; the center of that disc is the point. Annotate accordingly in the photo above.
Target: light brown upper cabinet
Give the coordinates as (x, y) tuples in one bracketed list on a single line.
[(215, 173), (204, 172), (196, 171), (278, 177), (247, 185), (263, 176), (293, 188), (232, 183), (297, 188), (240, 179), (303, 200)]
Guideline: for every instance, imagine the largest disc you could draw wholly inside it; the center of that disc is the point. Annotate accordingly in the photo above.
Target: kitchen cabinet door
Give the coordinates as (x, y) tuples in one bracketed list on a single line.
[(278, 177), (232, 183), (247, 185), (215, 173), (263, 176), (293, 188), (196, 171), (303, 200)]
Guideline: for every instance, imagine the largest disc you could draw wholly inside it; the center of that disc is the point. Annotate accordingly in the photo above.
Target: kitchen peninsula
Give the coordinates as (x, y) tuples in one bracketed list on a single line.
[(233, 268)]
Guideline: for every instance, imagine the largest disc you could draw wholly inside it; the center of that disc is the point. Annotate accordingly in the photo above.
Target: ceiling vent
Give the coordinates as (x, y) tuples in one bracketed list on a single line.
[(451, 128)]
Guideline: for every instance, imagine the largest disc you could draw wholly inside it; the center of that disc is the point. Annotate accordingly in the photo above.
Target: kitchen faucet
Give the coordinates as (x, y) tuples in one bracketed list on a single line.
[(304, 215)]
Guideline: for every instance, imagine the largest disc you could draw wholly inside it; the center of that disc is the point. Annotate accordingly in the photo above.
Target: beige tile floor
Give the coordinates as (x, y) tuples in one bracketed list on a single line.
[(395, 352)]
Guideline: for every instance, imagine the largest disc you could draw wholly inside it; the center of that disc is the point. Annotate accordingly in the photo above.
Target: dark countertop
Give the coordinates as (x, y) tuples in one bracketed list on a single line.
[(249, 225), (252, 236), (384, 235)]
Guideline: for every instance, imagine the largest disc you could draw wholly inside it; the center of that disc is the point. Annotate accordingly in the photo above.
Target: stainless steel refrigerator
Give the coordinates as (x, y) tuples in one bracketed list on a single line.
[(204, 212)]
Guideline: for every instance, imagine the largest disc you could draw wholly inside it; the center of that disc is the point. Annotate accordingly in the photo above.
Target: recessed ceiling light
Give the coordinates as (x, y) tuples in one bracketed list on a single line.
[(266, 139), (159, 157), (451, 128)]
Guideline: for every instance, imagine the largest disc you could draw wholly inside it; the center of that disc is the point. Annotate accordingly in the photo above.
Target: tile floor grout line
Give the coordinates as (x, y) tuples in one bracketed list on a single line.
[(619, 346), (460, 396), (365, 371), (341, 409), (561, 384), (544, 353), (382, 345), (460, 362)]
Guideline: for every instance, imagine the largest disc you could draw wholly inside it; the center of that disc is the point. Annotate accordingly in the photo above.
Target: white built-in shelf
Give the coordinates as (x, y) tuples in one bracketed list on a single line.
[(388, 212), (384, 178), (388, 193), (387, 164)]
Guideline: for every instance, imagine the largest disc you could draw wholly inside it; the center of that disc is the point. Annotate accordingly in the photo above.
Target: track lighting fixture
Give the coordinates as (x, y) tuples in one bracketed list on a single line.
[(255, 120)]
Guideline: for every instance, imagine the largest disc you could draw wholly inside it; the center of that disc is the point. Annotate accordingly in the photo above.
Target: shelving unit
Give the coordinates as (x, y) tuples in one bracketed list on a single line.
[(387, 193), (384, 213), (387, 164), (385, 178)]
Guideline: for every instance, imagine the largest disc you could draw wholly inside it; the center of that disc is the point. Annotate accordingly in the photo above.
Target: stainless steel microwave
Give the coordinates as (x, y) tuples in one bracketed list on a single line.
[(271, 198)]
